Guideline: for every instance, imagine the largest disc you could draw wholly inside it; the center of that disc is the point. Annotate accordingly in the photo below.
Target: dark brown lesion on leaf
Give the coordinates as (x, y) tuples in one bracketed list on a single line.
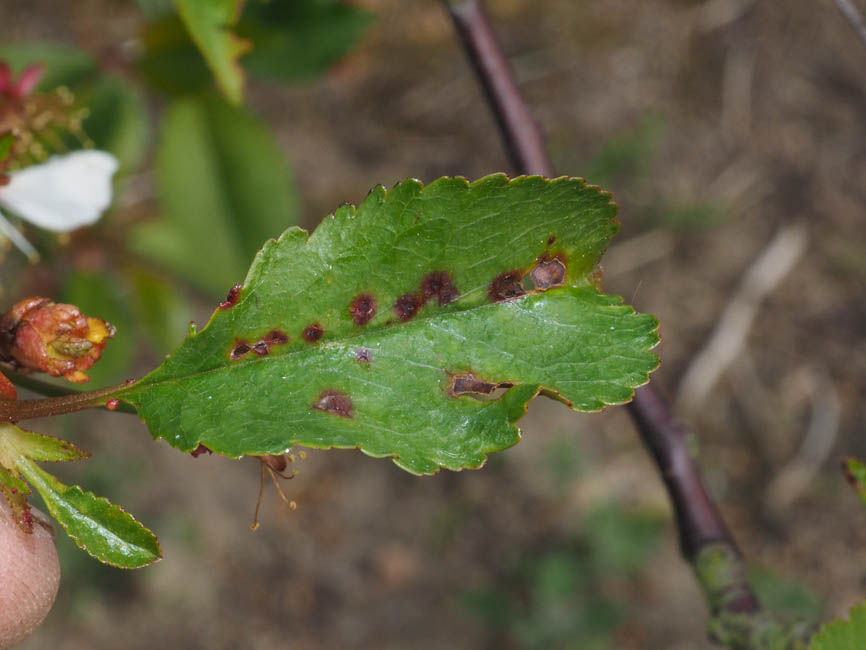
[(439, 285), (232, 298), (334, 402), (261, 348), (406, 306), (363, 308), (506, 286), (240, 349), (312, 332), (275, 337), (467, 383), (198, 451), (363, 355), (548, 272), (551, 240)]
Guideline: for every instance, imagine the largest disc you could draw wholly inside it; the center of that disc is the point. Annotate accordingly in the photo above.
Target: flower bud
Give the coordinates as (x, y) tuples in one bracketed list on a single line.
[(41, 335)]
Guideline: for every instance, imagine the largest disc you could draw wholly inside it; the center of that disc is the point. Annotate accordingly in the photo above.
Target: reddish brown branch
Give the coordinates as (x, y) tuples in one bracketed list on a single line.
[(520, 133), (700, 525)]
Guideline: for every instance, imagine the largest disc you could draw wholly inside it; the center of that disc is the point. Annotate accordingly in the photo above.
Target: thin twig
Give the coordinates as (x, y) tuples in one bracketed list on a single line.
[(705, 540), (854, 17), (520, 133)]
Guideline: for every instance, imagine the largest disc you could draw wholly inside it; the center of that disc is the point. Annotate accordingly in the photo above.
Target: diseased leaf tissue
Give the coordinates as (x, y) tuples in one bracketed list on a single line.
[(394, 325)]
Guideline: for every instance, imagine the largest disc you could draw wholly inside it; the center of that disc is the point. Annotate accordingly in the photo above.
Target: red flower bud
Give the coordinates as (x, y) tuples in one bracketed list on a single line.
[(41, 335)]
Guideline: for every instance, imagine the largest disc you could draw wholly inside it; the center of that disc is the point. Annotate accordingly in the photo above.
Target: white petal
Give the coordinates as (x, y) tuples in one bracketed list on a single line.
[(63, 193)]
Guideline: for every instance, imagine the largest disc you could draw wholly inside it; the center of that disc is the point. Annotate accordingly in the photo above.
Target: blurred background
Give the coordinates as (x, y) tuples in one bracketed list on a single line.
[(731, 133)]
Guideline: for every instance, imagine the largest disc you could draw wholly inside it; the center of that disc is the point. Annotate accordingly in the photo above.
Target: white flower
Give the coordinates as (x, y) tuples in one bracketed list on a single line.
[(63, 193)]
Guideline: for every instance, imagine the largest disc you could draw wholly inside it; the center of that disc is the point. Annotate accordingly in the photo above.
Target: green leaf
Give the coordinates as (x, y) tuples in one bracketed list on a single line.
[(855, 472), (395, 325), (297, 41), (841, 634), (223, 184), (16, 443), (104, 530), (209, 24)]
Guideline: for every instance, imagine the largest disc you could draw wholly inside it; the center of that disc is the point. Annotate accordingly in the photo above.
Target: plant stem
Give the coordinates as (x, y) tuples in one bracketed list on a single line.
[(61, 400), (704, 538)]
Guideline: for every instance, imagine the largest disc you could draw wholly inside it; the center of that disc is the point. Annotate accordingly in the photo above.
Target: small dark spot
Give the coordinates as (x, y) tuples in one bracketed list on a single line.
[(363, 308), (261, 348), (440, 285), (198, 451), (241, 348), (548, 273), (467, 383), (363, 355), (551, 240), (232, 297), (333, 401), (313, 332), (407, 306), (112, 404), (275, 337), (506, 285)]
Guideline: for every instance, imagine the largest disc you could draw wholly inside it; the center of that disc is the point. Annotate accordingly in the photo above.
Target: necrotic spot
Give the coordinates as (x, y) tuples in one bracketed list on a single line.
[(407, 306), (232, 297), (241, 348), (363, 355), (334, 402), (275, 337), (363, 308), (439, 285), (548, 273), (261, 348), (313, 332), (506, 285)]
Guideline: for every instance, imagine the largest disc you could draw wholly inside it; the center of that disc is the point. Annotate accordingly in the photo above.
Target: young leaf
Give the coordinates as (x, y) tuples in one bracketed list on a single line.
[(16, 443), (209, 25), (393, 327), (222, 181), (841, 634), (104, 530)]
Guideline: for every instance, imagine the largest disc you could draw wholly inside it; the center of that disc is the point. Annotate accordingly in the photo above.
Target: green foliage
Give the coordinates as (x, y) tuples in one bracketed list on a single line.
[(841, 634), (97, 526), (290, 42), (209, 25), (223, 184), (385, 331), (103, 530)]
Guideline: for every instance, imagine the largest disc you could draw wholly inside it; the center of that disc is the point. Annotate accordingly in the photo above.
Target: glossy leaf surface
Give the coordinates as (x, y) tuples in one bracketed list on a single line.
[(96, 525), (396, 326)]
